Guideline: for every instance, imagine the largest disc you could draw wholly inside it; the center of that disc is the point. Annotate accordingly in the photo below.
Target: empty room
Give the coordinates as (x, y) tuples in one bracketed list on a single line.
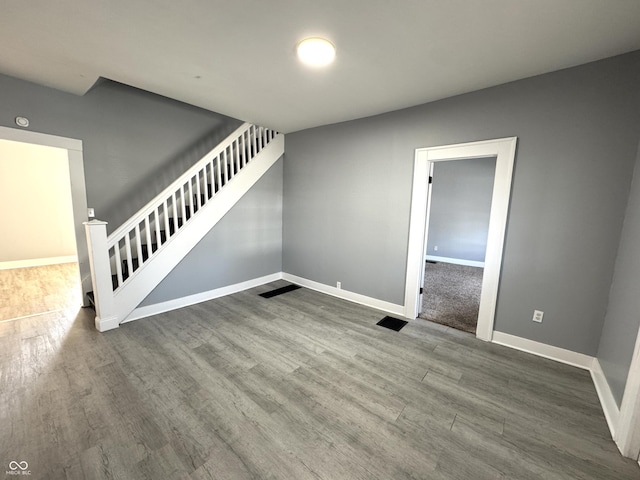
[(320, 240)]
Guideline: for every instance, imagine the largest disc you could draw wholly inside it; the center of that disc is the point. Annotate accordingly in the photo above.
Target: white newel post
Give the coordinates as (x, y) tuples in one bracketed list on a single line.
[(106, 318)]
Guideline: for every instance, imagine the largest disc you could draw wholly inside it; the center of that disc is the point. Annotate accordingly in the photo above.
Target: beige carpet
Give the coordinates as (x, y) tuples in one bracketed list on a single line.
[(35, 290), (452, 295)]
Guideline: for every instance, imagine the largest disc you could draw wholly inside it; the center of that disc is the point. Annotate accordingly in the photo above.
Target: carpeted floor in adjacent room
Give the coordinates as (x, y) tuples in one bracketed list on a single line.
[(452, 295)]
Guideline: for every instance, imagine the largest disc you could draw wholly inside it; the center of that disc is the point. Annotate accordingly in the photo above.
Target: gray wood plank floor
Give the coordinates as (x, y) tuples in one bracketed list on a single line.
[(299, 386)]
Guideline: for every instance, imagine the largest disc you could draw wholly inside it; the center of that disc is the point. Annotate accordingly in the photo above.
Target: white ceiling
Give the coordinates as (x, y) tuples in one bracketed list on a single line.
[(237, 57)]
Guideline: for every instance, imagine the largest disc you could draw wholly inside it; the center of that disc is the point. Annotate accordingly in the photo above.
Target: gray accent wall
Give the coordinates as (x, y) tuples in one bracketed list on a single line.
[(246, 244), (135, 143), (460, 208), (347, 192), (623, 314)]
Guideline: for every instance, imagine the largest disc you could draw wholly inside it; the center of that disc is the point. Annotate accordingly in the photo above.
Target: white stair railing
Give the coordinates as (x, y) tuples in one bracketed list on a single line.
[(146, 234)]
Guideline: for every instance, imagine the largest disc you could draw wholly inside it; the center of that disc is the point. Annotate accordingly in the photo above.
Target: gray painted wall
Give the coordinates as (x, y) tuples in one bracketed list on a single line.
[(460, 208), (623, 313), (135, 143), (347, 191), (245, 244)]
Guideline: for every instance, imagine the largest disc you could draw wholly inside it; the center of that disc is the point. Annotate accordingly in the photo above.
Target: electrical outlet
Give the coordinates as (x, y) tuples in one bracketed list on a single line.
[(435, 248), (537, 316), (338, 285), (91, 213)]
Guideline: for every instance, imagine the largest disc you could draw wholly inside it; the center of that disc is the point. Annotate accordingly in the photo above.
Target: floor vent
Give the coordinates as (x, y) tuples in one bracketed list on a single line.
[(392, 323), (280, 291)]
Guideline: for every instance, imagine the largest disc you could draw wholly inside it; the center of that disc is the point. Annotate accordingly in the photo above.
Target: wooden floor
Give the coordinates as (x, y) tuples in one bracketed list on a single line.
[(36, 290), (299, 386)]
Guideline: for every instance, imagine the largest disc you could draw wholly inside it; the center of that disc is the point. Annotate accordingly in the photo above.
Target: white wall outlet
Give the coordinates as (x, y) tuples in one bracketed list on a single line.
[(435, 248), (91, 213), (338, 285), (537, 316)]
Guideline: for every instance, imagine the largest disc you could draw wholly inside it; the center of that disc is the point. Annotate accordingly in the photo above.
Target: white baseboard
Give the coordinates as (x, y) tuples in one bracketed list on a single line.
[(108, 323), (346, 295), (586, 362), (607, 400), (38, 262), (149, 310), (580, 360), (558, 354), (455, 261)]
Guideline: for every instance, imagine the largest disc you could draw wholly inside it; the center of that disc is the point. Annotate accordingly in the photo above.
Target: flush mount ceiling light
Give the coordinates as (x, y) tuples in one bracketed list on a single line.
[(316, 52)]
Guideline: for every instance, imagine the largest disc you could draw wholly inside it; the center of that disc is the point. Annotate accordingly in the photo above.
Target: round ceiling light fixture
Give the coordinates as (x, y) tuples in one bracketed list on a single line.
[(316, 52)]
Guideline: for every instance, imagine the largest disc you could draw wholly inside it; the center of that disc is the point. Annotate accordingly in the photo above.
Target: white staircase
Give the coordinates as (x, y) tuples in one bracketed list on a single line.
[(128, 264)]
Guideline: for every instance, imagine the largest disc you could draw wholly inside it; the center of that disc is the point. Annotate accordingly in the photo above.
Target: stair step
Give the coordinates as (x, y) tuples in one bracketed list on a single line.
[(92, 299)]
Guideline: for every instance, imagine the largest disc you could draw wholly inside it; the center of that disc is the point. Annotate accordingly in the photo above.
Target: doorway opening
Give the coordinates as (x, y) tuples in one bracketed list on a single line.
[(503, 150), (456, 241), (44, 267)]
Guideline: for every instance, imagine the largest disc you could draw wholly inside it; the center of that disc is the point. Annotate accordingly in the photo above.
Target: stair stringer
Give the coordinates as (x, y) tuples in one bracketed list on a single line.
[(151, 273)]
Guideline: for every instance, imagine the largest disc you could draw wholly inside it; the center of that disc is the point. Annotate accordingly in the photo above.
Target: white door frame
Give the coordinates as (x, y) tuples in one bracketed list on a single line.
[(427, 219), (504, 150), (627, 433), (78, 189)]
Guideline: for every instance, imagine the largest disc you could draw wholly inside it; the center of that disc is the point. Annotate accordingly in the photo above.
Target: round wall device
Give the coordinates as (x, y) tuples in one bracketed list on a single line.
[(22, 121)]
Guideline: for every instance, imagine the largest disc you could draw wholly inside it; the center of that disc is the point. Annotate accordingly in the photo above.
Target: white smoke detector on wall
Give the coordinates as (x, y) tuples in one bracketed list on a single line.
[(22, 121)]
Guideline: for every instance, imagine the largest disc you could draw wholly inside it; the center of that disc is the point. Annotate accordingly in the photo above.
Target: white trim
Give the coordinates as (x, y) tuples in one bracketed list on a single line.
[(346, 295), (149, 310), (38, 262), (455, 261), (104, 324), (558, 354), (504, 151), (142, 282), (427, 219), (607, 400), (78, 189), (28, 136), (628, 438)]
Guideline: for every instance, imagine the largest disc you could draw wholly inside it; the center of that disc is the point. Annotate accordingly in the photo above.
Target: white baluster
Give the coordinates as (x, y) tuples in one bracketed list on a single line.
[(127, 253), (236, 157), (211, 180), (198, 191), (218, 171), (254, 137), (138, 245), (174, 207), (183, 210), (156, 224), (226, 165), (165, 214), (243, 154), (191, 199), (118, 257), (147, 233)]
